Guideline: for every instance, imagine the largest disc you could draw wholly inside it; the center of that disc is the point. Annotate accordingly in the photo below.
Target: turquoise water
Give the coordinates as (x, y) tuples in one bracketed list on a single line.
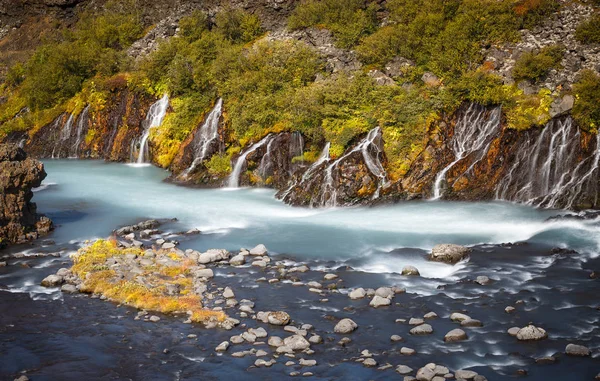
[(88, 199)]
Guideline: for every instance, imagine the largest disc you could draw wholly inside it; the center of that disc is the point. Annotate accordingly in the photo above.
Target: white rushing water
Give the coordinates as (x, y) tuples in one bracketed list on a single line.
[(81, 123), (234, 177), (65, 134), (154, 118), (546, 171), (91, 198), (473, 133), (369, 148), (208, 133)]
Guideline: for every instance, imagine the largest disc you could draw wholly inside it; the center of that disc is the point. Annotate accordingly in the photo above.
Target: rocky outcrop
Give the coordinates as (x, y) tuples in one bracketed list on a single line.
[(358, 176), (19, 221), (105, 132)]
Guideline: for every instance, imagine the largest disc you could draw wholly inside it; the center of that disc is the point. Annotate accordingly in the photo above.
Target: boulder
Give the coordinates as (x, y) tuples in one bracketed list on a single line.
[(259, 250), (222, 347), (385, 292), (357, 293), (410, 270), (423, 329), (237, 260), (577, 350), (296, 343), (455, 335), (531, 333), (425, 374), (52, 281), (403, 369), (379, 301), (213, 255), (204, 273), (345, 326), (278, 318), (457, 316), (449, 253)]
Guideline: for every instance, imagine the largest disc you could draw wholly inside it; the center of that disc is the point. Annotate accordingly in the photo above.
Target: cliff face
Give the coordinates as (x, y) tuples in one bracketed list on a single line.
[(19, 221)]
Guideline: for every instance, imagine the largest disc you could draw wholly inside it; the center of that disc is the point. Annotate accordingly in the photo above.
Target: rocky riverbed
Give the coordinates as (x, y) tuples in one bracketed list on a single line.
[(314, 319)]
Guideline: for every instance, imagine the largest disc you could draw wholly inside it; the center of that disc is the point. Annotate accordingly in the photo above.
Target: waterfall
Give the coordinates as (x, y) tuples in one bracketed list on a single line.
[(208, 133), (266, 163), (154, 118), (473, 133), (329, 190), (80, 124), (323, 157), (297, 145), (65, 134), (234, 178), (546, 171)]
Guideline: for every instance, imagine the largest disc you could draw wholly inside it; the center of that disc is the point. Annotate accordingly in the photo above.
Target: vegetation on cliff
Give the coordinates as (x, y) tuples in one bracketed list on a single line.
[(270, 84)]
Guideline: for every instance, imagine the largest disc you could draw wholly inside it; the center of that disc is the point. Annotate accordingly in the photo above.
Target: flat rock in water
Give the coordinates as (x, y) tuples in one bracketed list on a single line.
[(259, 250), (457, 316), (577, 350), (278, 318), (378, 301), (357, 293), (345, 326), (531, 333), (448, 253), (403, 369), (455, 335), (296, 343), (52, 281), (423, 329)]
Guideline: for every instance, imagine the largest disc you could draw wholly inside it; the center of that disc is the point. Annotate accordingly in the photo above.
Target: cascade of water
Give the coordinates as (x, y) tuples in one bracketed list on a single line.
[(297, 145), (83, 118), (474, 132), (208, 133), (546, 171), (266, 162), (154, 118), (329, 191), (323, 157), (65, 133), (234, 177)]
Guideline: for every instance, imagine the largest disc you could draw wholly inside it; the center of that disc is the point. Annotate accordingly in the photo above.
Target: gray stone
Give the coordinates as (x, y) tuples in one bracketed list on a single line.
[(204, 273), (345, 326), (407, 351), (315, 339), (69, 289), (154, 319), (465, 374), (423, 329), (455, 335), (275, 341), (457, 316), (416, 321), (259, 250), (330, 276), (52, 281), (448, 253), (471, 323), (278, 318), (168, 245), (237, 260), (385, 292), (577, 350), (410, 270), (403, 369), (258, 332), (430, 315), (370, 362), (228, 293), (213, 255), (425, 374), (304, 362), (513, 331), (296, 343), (396, 338), (379, 301), (222, 347), (483, 280), (531, 333), (357, 293)]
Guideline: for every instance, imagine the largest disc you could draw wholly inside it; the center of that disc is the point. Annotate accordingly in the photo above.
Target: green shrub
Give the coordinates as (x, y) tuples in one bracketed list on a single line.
[(238, 26), (192, 27), (588, 32), (586, 110), (348, 20), (219, 165), (535, 66)]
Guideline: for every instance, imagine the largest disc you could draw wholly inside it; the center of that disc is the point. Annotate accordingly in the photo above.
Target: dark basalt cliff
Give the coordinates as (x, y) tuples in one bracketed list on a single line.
[(19, 221)]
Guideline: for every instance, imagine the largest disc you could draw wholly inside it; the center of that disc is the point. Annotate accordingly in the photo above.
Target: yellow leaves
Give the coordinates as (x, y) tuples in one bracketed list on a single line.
[(529, 110)]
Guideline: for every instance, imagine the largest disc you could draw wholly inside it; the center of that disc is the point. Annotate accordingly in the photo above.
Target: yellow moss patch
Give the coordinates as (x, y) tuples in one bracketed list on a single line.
[(90, 265)]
